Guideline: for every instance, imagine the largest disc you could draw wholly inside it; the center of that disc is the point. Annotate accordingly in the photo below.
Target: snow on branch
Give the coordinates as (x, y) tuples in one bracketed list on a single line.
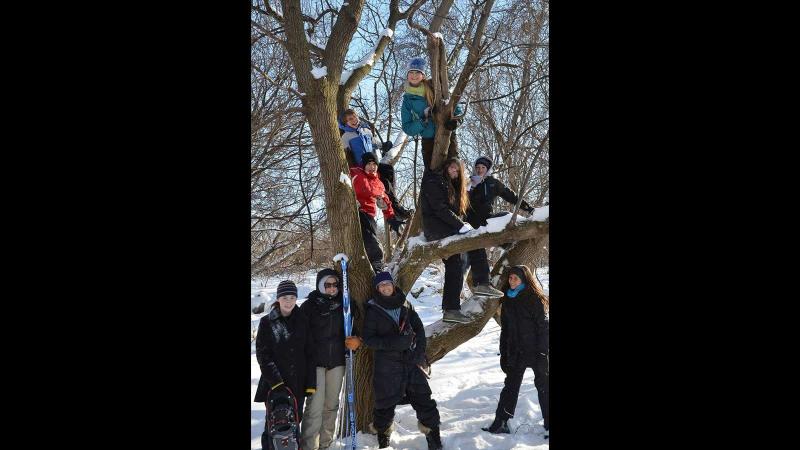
[(319, 72), (368, 59)]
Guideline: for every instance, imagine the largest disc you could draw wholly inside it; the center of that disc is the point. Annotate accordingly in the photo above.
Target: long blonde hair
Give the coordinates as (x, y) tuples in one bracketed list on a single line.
[(456, 188)]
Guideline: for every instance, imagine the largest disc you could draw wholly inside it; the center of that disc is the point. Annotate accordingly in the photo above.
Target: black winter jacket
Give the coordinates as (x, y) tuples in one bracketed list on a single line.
[(439, 218), (396, 355), (525, 330), (285, 352), (326, 321), (483, 195)]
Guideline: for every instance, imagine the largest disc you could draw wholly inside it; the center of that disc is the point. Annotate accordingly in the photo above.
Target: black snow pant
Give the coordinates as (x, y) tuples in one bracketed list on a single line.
[(369, 232), (453, 282), (423, 405), (510, 393), (479, 263), (265, 440), (427, 149)]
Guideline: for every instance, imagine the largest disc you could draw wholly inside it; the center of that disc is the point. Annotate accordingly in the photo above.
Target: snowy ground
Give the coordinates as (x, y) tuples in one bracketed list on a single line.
[(466, 383)]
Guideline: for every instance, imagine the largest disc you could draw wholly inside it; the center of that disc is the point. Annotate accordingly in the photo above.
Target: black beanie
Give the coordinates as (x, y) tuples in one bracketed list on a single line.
[(368, 157), (286, 287), (485, 161)]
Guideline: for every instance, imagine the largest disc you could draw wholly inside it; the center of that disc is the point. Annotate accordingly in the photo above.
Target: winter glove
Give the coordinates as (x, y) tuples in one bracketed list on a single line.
[(465, 229), (352, 342), (394, 224), (452, 124), (386, 147), (526, 207), (406, 340), (475, 180), (380, 203), (427, 113)]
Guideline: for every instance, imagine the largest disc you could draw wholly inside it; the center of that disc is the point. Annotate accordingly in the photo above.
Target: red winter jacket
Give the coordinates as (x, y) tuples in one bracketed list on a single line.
[(367, 187)]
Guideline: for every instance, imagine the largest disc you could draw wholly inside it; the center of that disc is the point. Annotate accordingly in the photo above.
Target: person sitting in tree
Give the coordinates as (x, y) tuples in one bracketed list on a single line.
[(418, 110), (371, 196), (483, 190), (358, 138), (394, 331), (285, 354)]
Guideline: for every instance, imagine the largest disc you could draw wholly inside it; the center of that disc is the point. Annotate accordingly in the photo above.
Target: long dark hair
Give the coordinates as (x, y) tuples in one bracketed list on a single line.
[(531, 285), (456, 188)]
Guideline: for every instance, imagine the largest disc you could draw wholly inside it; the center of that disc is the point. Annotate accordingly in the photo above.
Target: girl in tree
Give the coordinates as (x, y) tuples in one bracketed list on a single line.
[(418, 110), (285, 353), (483, 190), (444, 203), (394, 330), (524, 342), (371, 196)]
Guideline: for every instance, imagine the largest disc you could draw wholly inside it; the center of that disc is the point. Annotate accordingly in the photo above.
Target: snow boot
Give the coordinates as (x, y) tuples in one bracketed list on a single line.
[(455, 316), (498, 427), (383, 435), (431, 436), (486, 289)]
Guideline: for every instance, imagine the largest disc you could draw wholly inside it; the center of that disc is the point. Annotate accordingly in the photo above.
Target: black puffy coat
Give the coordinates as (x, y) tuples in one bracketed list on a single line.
[(525, 330), (395, 370), (284, 351), (326, 320), (483, 195), (439, 218)]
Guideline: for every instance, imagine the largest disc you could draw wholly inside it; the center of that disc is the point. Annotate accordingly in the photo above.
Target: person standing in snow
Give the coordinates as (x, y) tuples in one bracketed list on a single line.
[(358, 138), (483, 190), (285, 352), (444, 202), (418, 110), (394, 330), (524, 342), (371, 196), (326, 323)]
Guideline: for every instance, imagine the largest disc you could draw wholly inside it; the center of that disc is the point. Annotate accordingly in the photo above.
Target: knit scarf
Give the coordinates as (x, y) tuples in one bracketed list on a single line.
[(513, 292), (419, 90)]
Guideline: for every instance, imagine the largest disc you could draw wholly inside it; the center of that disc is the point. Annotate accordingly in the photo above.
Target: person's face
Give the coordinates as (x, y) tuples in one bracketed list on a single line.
[(415, 77), (351, 120), (371, 167), (331, 285), (386, 288), (452, 171), (514, 281), (286, 303), (480, 169)]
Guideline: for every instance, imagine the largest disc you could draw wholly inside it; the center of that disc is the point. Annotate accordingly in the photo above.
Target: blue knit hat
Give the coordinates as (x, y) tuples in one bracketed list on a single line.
[(286, 287), (381, 277), (417, 64)]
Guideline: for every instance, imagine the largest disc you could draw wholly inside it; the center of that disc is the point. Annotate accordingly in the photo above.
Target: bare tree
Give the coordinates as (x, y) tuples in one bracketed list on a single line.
[(316, 39)]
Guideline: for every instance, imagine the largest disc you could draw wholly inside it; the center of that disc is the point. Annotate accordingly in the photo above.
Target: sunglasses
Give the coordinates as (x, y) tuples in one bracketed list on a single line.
[(330, 285)]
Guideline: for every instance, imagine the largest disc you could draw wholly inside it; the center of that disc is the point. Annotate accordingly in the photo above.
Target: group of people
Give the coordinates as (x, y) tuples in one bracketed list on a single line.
[(301, 350), (450, 203)]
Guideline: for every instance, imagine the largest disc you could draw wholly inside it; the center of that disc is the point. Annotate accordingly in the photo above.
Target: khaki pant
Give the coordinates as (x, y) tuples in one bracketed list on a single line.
[(319, 417)]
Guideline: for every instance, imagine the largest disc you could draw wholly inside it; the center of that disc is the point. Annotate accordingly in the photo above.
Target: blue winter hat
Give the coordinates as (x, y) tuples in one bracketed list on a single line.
[(381, 277), (417, 64)]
